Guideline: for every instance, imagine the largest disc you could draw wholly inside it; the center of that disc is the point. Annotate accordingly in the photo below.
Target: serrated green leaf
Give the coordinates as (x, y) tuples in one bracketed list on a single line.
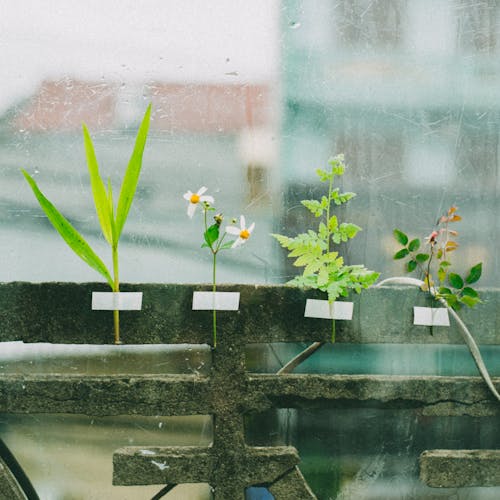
[(284, 241), (322, 231), (322, 276), (333, 223), (349, 230), (411, 266), (314, 206), (422, 257), (400, 236), (345, 197), (474, 273), (401, 254), (131, 177), (455, 280), (211, 235), (322, 174), (312, 268), (414, 245), (68, 233), (101, 200), (304, 260)]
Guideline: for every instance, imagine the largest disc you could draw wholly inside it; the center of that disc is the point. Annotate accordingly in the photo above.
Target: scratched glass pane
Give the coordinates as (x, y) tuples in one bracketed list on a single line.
[(249, 98)]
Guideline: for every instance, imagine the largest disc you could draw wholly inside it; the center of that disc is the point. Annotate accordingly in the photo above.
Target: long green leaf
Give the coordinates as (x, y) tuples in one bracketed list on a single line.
[(114, 236), (98, 188), (69, 234), (131, 177)]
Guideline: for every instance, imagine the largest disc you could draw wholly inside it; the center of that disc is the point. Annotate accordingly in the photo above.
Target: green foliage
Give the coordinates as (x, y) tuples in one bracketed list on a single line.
[(111, 221), (111, 226), (324, 269), (69, 234), (450, 286)]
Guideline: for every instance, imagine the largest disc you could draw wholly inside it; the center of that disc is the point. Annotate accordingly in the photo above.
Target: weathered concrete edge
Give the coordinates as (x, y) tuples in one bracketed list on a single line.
[(133, 465), (60, 313), (9, 487), (292, 486), (433, 395), (190, 394), (460, 468), (105, 395)]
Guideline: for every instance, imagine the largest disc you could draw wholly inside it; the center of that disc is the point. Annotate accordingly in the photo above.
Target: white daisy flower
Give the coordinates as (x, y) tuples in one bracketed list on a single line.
[(195, 198), (243, 232)]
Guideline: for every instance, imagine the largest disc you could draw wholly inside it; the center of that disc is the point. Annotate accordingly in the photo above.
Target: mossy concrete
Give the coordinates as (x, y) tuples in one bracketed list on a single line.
[(460, 468), (61, 313), (9, 488)]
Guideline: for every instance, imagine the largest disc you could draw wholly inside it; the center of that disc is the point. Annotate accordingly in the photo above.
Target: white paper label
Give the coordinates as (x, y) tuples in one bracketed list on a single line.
[(323, 309), (220, 301), (116, 301), (430, 316)]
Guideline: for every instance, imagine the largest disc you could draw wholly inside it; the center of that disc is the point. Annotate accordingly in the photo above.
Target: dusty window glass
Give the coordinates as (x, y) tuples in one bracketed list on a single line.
[(249, 98)]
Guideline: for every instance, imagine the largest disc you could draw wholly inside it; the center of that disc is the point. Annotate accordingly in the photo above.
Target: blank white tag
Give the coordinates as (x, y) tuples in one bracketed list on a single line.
[(116, 301), (430, 316), (323, 309), (220, 301)]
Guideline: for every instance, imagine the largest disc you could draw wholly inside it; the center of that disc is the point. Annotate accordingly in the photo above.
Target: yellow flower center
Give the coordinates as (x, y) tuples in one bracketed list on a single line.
[(195, 198), (244, 235)]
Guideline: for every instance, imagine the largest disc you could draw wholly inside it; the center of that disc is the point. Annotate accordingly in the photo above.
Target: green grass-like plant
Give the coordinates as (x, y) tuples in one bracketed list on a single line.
[(324, 268), (111, 220)]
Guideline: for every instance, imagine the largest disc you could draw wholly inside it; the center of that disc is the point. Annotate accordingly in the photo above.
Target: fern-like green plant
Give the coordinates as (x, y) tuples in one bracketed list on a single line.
[(111, 220), (324, 268)]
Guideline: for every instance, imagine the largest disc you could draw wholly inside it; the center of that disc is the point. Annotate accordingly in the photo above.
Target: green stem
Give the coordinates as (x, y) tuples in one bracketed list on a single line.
[(214, 289), (333, 331), (116, 288)]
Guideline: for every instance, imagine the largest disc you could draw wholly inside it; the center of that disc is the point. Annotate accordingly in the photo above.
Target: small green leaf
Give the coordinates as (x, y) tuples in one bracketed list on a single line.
[(445, 291), (401, 254), (474, 273), (304, 260), (470, 292), (400, 236), (469, 301), (414, 245), (323, 175), (323, 276), (211, 235), (422, 257), (411, 266), (131, 177), (69, 234), (314, 206), (455, 280), (284, 241), (227, 245), (333, 223)]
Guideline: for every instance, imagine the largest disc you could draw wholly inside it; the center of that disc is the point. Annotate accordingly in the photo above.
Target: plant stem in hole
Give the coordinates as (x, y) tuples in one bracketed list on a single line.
[(214, 289), (116, 288), (333, 331)]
